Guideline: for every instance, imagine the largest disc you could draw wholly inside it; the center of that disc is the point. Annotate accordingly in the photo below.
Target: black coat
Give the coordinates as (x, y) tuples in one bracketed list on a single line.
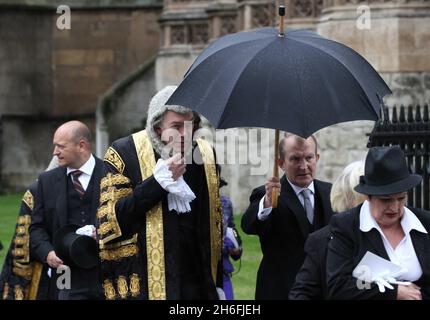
[(350, 244), (187, 243), (283, 236), (50, 211), (311, 280)]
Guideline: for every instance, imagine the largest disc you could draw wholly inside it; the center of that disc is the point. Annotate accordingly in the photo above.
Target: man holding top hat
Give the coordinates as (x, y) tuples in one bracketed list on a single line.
[(66, 203)]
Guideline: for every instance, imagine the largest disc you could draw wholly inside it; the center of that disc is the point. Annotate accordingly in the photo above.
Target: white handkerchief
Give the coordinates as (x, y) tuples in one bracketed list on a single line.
[(180, 195), (373, 268), (86, 230)]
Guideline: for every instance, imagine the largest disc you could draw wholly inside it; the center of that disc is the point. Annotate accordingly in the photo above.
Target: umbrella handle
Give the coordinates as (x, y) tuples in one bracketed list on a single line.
[(275, 191)]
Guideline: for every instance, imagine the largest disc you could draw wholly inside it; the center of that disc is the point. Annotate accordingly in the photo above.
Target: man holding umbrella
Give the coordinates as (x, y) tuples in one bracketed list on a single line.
[(304, 206)]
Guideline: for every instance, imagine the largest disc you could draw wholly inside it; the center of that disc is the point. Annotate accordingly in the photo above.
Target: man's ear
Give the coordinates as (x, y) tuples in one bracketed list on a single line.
[(317, 156), (158, 131), (281, 163)]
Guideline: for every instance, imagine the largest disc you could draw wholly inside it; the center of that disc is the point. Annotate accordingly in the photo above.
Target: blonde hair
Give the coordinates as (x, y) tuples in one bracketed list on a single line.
[(343, 196)]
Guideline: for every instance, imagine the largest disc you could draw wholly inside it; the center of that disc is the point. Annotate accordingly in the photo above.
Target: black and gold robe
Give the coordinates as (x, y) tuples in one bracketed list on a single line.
[(139, 238), (21, 277)]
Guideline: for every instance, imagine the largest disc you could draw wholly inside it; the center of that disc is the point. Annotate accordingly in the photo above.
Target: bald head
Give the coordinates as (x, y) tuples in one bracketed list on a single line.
[(77, 131), (72, 144)]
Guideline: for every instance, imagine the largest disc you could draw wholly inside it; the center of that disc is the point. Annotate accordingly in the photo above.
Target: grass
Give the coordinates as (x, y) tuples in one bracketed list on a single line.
[(9, 209), (243, 281)]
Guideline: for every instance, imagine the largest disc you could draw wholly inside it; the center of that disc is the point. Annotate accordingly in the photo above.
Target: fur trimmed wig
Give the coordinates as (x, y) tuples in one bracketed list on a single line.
[(156, 110)]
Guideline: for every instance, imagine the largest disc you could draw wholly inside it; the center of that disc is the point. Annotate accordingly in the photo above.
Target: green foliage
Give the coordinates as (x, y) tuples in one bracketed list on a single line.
[(9, 209), (244, 280)]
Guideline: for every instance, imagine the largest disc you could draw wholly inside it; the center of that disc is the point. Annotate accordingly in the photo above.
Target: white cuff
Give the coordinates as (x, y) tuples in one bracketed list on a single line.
[(263, 213)]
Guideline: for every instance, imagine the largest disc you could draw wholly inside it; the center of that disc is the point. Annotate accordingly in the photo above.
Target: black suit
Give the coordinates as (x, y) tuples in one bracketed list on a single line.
[(311, 279), (51, 213), (350, 244), (283, 235)]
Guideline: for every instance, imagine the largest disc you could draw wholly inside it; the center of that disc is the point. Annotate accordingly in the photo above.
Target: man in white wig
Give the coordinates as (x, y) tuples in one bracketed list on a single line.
[(159, 216)]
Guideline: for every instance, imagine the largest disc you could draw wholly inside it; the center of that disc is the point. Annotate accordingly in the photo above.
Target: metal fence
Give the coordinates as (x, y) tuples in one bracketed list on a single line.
[(410, 129)]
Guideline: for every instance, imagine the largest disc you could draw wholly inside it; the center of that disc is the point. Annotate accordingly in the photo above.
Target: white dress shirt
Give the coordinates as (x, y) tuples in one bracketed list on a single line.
[(404, 254), (263, 213), (87, 170)]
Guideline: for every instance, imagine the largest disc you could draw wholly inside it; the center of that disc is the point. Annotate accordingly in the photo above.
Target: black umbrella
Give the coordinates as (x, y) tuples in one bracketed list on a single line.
[(298, 81), (301, 82)]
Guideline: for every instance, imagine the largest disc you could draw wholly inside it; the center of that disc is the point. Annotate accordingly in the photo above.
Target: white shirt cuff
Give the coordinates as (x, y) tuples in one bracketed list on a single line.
[(263, 213)]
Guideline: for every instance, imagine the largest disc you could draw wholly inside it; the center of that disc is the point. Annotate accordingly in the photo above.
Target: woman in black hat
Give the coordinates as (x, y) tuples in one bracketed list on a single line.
[(385, 227)]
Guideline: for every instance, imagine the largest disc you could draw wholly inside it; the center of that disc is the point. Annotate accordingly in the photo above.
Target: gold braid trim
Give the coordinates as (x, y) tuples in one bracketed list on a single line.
[(21, 240), (35, 280), (112, 180), (20, 252), (117, 254), (134, 285), (19, 294), (23, 272), (28, 199), (22, 230), (122, 287), (214, 204), (114, 194), (154, 223), (111, 226), (110, 194), (24, 219), (107, 209), (5, 294), (109, 290), (112, 157), (118, 244)]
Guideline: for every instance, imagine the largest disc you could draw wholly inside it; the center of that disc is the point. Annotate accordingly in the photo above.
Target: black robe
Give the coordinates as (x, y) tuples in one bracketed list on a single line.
[(22, 277), (123, 233)]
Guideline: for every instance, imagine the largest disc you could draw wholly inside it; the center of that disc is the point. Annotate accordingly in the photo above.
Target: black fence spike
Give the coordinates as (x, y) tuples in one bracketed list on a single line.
[(402, 117), (411, 130), (426, 113), (410, 114), (394, 116)]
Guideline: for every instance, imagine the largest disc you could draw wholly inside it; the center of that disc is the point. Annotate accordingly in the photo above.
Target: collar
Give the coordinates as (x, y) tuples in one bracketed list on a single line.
[(409, 220), (298, 189), (87, 167)]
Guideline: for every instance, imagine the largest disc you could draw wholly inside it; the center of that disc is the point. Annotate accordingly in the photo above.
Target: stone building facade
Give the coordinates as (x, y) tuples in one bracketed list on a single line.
[(118, 53)]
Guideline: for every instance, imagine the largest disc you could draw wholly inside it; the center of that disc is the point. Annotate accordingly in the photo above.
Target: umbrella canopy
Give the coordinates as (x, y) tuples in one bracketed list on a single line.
[(300, 82)]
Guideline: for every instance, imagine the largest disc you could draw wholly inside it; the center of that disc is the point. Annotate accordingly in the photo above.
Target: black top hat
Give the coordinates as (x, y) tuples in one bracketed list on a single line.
[(386, 172), (75, 249)]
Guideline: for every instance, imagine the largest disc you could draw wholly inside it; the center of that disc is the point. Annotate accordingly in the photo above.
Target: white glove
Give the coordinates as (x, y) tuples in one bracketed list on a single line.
[(221, 293), (180, 195), (86, 230)]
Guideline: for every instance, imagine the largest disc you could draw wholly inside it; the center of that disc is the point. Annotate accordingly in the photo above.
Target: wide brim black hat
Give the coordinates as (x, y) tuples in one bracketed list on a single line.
[(386, 172), (75, 249)]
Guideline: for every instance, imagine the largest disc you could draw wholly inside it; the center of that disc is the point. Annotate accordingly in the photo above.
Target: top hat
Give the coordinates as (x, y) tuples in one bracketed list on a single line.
[(386, 172), (75, 249)]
